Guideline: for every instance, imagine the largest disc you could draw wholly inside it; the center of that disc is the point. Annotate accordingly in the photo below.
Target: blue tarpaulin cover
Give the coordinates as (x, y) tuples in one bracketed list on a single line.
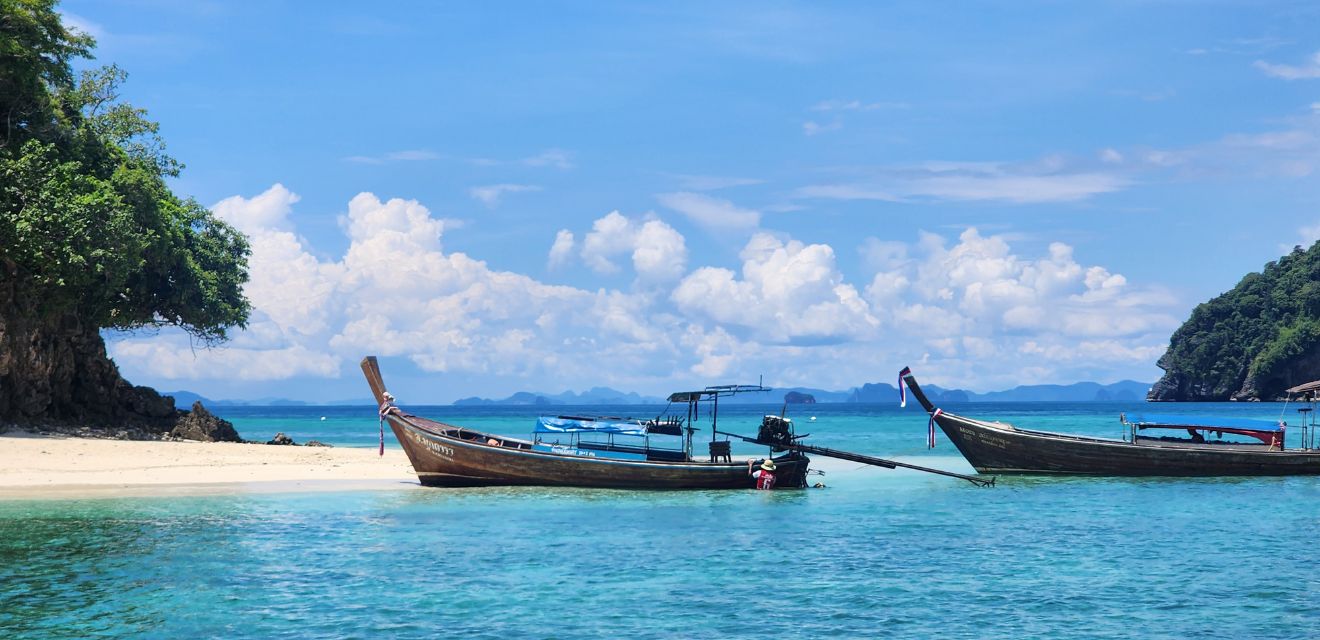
[(1207, 422), (548, 424)]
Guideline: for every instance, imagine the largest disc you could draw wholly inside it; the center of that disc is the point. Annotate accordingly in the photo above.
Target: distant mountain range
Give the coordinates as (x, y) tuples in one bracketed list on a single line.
[(595, 395), (877, 392), (1124, 391), (185, 399)]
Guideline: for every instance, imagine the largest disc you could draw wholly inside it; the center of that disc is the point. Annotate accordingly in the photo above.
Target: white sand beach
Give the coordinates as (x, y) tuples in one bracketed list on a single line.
[(38, 466)]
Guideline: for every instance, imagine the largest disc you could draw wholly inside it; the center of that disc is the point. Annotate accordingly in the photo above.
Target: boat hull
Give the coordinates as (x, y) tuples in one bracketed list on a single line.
[(1002, 449), (443, 460)]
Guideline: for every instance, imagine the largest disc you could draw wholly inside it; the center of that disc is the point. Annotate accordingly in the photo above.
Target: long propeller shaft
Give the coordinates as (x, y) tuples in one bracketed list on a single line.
[(864, 459)]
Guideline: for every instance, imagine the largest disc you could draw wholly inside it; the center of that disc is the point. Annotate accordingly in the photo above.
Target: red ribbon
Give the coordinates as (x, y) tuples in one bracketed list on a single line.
[(930, 429)]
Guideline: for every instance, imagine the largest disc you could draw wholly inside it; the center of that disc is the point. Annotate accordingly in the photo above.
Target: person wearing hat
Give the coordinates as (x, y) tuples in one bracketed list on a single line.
[(765, 476)]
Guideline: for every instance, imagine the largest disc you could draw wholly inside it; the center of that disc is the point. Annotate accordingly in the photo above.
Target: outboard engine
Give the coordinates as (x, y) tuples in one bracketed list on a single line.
[(774, 431)]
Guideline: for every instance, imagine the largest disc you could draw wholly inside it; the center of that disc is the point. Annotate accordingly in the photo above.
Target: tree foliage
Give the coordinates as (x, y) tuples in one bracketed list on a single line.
[(88, 224), (1261, 333)]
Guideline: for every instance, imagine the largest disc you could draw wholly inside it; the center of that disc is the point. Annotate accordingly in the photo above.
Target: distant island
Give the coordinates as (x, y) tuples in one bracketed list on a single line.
[(188, 397), (1252, 342), (797, 397), (595, 395), (878, 392)]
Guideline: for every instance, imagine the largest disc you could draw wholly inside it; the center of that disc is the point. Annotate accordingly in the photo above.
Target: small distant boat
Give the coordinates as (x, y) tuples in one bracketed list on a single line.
[(1152, 447)]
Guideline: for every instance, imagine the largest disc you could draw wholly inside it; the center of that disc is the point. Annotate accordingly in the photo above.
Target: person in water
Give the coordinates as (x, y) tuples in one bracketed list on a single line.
[(765, 476)]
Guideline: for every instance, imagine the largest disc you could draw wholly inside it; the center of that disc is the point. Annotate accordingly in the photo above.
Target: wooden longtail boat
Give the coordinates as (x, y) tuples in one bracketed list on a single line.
[(444, 455), (996, 447)]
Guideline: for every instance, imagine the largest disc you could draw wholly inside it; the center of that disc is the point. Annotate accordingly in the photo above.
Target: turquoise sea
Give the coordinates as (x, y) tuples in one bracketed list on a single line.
[(877, 553)]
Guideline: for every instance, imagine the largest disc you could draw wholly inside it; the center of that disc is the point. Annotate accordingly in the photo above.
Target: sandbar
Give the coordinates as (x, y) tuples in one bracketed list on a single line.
[(41, 466)]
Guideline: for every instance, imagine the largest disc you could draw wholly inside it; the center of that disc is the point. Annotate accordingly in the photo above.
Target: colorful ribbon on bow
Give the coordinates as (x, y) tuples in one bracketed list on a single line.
[(902, 388), (930, 429), (384, 409)]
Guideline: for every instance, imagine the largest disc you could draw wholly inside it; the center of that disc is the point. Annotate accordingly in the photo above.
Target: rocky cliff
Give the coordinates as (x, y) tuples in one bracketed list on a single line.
[(55, 376), (1252, 342)]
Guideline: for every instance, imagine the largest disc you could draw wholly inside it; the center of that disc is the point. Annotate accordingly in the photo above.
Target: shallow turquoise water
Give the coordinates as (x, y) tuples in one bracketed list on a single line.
[(877, 553)]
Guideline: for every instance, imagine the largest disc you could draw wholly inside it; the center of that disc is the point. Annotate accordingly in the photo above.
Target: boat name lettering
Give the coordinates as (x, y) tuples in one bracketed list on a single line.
[(435, 447), (998, 443)]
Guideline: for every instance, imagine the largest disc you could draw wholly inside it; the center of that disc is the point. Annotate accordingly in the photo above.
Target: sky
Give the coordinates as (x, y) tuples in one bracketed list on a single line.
[(495, 197)]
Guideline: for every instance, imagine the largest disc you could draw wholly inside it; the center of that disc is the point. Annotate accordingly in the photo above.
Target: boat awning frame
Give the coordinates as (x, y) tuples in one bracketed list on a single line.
[(720, 391), (1204, 423), (1305, 387), (1263, 430)]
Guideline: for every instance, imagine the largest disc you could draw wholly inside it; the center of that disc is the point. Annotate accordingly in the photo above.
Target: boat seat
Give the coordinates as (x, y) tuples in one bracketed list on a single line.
[(721, 451)]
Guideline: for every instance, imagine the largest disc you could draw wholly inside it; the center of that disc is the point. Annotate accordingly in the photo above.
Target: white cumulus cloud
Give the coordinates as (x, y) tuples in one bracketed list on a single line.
[(658, 252), (977, 311), (562, 249), (789, 292)]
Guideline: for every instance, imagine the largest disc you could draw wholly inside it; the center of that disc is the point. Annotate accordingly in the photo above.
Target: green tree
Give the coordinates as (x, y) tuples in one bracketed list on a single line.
[(1253, 341), (91, 236)]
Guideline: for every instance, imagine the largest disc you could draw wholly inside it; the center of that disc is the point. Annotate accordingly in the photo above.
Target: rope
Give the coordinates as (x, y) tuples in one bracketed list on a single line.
[(385, 408)]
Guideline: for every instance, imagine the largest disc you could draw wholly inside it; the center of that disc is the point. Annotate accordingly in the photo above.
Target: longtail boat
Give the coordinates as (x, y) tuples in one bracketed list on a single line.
[(581, 451), (609, 451), (1146, 450)]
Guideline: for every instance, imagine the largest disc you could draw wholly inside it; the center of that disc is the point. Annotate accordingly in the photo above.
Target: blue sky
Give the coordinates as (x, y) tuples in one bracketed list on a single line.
[(554, 196)]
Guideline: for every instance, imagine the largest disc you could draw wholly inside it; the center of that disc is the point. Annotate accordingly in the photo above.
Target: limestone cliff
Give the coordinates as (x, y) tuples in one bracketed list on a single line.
[(1252, 342), (55, 376)]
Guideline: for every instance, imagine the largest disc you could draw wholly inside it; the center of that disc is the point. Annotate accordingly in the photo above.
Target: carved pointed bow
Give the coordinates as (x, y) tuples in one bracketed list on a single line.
[(917, 393), (371, 369)]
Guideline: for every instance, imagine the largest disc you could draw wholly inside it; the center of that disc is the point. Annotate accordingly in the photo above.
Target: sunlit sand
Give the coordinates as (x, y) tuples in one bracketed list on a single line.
[(44, 466)]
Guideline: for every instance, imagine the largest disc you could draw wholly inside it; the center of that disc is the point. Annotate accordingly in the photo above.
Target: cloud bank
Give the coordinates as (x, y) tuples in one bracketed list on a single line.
[(971, 306)]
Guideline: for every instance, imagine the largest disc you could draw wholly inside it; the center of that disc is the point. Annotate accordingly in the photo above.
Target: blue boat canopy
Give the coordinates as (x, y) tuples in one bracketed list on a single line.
[(564, 424), (1203, 422)]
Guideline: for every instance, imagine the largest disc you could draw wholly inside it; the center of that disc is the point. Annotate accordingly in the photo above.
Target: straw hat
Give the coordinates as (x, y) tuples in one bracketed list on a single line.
[(768, 465)]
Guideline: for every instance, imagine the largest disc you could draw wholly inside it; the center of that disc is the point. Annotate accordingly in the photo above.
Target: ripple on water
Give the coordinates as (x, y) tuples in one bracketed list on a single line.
[(876, 553)]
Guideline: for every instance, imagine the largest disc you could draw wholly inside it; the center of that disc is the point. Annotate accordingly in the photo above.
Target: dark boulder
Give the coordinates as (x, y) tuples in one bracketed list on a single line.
[(316, 443), (282, 439), (200, 424)]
